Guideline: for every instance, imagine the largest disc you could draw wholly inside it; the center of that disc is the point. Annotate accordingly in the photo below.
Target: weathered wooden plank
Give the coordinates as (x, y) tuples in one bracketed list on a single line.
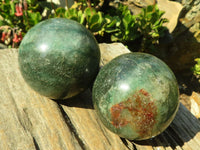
[(30, 121)]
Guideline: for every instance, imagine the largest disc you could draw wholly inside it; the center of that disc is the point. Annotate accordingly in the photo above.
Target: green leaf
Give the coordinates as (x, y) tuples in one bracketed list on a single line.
[(34, 18), (95, 22), (73, 18), (93, 19), (161, 13), (127, 20), (7, 1), (60, 12), (95, 27), (72, 13), (197, 60), (150, 8), (111, 30), (2, 22), (34, 7), (125, 23), (116, 37), (197, 68), (89, 12), (81, 17), (12, 8), (96, 18), (112, 23)]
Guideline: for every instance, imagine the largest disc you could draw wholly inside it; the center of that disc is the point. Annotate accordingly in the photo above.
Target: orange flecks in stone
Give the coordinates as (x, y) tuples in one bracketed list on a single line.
[(144, 92), (117, 121), (138, 110)]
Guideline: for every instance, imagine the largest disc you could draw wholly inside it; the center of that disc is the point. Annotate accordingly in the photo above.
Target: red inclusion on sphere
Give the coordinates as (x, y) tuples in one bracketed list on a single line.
[(117, 121), (142, 91), (138, 110)]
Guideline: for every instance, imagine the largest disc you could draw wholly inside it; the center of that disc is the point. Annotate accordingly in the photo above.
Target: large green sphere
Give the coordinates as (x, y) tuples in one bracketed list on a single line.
[(59, 58), (136, 96)]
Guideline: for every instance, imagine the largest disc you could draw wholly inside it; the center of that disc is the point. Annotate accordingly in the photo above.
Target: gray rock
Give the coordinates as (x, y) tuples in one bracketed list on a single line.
[(186, 36), (2, 46)]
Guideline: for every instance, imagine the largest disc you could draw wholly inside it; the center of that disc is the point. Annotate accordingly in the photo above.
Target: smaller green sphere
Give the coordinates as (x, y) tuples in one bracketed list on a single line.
[(136, 96), (59, 58)]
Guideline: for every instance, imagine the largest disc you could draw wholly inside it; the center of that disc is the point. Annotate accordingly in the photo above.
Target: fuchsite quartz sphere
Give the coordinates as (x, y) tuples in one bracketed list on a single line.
[(136, 96), (59, 58)]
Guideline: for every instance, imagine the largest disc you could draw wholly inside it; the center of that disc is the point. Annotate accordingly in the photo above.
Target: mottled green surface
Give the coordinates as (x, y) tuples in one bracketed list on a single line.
[(59, 58), (136, 96)]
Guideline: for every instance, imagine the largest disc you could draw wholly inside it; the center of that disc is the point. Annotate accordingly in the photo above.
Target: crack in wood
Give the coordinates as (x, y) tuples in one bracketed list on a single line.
[(36, 144), (72, 128), (127, 144)]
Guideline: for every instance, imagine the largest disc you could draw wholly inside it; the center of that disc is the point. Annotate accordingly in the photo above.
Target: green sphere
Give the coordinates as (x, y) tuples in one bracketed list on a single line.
[(136, 96), (59, 58)]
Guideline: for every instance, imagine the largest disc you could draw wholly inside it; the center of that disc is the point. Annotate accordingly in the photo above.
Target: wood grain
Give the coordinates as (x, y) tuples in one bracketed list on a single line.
[(29, 121)]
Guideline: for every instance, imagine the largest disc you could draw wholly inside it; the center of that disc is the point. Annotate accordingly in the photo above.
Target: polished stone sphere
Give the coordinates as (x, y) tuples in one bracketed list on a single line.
[(136, 96), (59, 58)]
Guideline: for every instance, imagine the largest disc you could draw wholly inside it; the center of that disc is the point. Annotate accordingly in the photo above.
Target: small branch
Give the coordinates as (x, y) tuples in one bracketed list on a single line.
[(154, 2), (53, 8), (66, 1), (89, 3)]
